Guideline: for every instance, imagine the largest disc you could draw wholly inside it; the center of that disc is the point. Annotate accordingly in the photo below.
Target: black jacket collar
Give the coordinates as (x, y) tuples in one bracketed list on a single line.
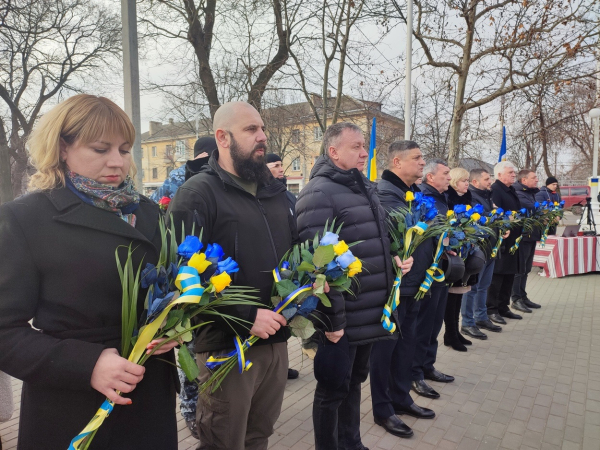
[(485, 193), (74, 211), (390, 176), (521, 187), (430, 190), (455, 199), (324, 167), (500, 185)]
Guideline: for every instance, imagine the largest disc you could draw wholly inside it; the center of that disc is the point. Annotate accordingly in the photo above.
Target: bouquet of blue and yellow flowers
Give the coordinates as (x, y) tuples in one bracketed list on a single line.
[(466, 227), (184, 283), (299, 286), (409, 227), (553, 212), (500, 222)]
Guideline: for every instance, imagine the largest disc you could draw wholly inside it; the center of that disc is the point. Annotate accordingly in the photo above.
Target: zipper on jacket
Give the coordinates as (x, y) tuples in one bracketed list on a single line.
[(264, 214)]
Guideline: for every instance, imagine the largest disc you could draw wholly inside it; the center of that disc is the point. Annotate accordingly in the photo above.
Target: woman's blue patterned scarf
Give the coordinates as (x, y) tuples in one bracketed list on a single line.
[(122, 200)]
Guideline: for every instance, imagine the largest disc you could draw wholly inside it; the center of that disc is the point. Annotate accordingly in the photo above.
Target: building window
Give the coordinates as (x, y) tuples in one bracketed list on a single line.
[(294, 189), (295, 136), (169, 151), (296, 165), (155, 172), (180, 149), (154, 152), (318, 133)]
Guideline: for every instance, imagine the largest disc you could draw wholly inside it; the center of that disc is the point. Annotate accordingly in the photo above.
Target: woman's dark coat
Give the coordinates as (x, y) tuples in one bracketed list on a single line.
[(58, 268), (392, 195), (351, 199), (506, 198)]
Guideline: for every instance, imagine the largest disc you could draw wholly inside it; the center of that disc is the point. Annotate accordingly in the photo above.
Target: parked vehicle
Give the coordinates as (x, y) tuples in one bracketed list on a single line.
[(574, 197)]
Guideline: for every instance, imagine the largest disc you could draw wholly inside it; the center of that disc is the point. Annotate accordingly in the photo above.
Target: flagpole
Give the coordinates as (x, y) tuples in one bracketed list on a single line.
[(408, 81)]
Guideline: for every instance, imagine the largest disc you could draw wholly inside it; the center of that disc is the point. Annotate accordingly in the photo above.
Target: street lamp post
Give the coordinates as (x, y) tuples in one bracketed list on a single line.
[(593, 181)]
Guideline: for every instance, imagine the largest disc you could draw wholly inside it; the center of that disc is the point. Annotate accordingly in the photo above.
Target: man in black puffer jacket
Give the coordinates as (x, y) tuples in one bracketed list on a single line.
[(391, 360), (338, 190), (436, 180), (526, 189)]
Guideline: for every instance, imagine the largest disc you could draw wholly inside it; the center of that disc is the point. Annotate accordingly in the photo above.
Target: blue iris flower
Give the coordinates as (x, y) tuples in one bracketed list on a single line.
[(536, 205), (418, 197), (483, 221), (430, 214), (333, 270), (214, 252), (499, 211), (508, 213), (345, 259), (562, 203), (228, 265), (329, 239), (158, 305), (149, 276), (523, 211), (308, 305), (478, 209), (189, 246), (469, 212), (285, 265), (458, 209)]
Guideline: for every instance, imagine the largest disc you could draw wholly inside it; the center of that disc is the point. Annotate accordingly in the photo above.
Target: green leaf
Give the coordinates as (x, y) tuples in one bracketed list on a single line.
[(307, 256), (173, 318), (324, 299), (305, 266), (188, 364), (323, 255), (205, 299), (275, 300), (302, 327), (285, 288), (319, 284)]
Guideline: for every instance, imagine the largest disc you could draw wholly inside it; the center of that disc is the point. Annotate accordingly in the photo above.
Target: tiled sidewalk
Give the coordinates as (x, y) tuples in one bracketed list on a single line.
[(536, 385)]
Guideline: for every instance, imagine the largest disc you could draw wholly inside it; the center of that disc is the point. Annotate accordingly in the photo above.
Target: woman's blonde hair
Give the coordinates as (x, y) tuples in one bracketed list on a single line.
[(458, 174), (85, 118)]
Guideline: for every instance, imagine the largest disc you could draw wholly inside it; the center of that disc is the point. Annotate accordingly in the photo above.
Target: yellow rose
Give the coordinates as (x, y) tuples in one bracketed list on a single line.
[(198, 261), (493, 211), (221, 281), (354, 268), (556, 203), (475, 217), (340, 248), (468, 207), (450, 213), (410, 196)]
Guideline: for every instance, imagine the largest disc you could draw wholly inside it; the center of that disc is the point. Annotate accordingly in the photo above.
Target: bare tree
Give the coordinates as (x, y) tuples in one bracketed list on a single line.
[(494, 48), (247, 46), (47, 49)]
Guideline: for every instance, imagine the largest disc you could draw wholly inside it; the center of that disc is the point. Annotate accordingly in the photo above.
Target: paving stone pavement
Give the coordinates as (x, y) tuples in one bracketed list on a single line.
[(536, 385)]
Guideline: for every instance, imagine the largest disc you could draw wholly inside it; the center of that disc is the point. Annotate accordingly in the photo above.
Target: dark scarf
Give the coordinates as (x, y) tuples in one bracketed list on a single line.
[(390, 176), (122, 200)]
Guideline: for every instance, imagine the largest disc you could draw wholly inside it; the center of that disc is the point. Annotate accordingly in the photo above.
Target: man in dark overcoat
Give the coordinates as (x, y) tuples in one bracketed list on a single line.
[(507, 264)]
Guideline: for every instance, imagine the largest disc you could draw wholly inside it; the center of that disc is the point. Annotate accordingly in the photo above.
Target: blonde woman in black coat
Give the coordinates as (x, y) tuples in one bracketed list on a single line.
[(58, 269)]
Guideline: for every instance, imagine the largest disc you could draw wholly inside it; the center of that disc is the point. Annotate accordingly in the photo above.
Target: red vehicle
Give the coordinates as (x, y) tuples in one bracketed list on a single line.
[(574, 197)]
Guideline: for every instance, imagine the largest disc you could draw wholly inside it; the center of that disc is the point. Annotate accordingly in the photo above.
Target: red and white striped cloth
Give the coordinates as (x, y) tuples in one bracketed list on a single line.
[(562, 256)]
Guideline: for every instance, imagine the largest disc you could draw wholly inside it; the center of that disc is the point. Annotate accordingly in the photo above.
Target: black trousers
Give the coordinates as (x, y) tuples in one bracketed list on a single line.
[(336, 413), (429, 325), (526, 253), (498, 298), (391, 363)]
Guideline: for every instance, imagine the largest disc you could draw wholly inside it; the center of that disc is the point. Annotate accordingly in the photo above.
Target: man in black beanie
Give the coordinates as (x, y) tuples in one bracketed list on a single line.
[(203, 148), (275, 165)]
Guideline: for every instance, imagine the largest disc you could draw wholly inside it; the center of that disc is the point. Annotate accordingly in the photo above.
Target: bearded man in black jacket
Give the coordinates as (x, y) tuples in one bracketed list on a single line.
[(236, 203), (391, 360), (338, 190), (436, 180)]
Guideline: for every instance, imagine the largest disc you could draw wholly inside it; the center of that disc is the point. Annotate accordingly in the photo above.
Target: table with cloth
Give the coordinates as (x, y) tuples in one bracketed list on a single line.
[(562, 256)]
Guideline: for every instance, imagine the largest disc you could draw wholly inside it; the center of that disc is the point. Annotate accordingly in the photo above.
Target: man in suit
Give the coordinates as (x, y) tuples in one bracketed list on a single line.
[(507, 264)]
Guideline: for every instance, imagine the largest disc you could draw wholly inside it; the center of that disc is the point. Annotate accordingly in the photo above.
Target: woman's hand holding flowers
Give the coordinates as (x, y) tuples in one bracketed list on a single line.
[(405, 265), (334, 336), (505, 235), (114, 373), (163, 348)]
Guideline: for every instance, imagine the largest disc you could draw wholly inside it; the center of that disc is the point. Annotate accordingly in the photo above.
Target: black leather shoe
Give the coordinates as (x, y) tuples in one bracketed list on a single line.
[(394, 426), (416, 411), (488, 325), (520, 306), (497, 318), (511, 315), (293, 374), (424, 390), (438, 376), (474, 332), (530, 304)]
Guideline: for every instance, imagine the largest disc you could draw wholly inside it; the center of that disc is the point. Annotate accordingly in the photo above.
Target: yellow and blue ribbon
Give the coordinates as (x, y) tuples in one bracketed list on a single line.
[(498, 244), (388, 309), (515, 247), (188, 281), (431, 274)]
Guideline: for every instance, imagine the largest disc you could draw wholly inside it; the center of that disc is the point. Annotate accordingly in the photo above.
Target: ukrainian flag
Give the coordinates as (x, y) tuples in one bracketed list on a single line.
[(372, 162), (502, 156)]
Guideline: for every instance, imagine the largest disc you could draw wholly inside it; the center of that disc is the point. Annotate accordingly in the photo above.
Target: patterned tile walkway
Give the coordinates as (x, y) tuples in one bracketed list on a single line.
[(536, 385)]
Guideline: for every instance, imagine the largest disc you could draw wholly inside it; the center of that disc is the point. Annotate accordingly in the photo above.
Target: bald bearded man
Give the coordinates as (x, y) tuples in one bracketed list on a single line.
[(239, 205)]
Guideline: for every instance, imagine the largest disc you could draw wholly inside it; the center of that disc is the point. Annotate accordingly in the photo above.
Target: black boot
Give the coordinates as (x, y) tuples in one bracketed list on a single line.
[(451, 324), (463, 340)]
